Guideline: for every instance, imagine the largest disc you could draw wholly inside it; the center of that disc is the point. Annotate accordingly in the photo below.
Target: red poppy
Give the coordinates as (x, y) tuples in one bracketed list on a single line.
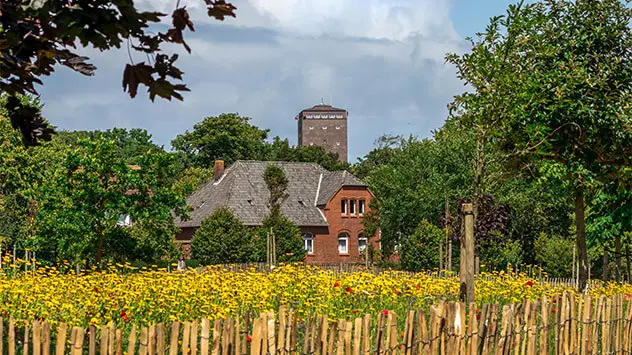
[(397, 292), (248, 338), (478, 316), (336, 284), (529, 283), (402, 334), (417, 287), (553, 309), (554, 300), (348, 289), (355, 311), (385, 312), (125, 319)]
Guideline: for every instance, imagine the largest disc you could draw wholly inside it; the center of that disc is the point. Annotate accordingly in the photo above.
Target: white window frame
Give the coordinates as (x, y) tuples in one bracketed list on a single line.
[(361, 207), (308, 239), (352, 207), (344, 207), (362, 238), (343, 237)]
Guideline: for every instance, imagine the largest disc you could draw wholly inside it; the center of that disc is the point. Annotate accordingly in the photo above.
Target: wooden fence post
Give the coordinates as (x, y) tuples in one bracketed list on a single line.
[(467, 255)]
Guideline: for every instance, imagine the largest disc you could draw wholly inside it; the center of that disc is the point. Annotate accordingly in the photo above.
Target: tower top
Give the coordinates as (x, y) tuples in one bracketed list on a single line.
[(322, 107)]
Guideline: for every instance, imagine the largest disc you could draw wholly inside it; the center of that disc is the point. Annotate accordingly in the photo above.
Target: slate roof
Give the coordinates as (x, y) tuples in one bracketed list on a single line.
[(243, 190)]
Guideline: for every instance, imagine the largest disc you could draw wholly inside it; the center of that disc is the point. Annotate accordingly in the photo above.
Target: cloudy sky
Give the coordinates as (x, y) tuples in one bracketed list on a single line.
[(382, 60)]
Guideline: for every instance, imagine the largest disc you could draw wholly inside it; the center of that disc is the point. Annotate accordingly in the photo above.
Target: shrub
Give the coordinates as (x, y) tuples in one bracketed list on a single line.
[(420, 250), (221, 239)]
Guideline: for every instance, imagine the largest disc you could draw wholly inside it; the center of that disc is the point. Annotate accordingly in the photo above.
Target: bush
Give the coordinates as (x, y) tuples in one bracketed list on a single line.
[(420, 250), (555, 255), (221, 239)]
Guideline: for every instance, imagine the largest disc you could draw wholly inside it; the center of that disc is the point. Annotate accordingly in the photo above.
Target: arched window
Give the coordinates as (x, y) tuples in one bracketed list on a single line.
[(362, 242), (308, 242), (343, 243)]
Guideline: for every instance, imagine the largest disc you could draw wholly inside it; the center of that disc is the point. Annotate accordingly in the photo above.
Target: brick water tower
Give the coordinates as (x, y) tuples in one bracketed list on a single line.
[(325, 126)]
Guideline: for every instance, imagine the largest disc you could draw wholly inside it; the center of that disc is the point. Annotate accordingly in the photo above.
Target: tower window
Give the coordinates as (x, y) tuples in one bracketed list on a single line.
[(332, 116), (338, 127), (311, 127), (324, 126), (316, 116), (337, 143), (311, 143), (339, 115), (309, 115)]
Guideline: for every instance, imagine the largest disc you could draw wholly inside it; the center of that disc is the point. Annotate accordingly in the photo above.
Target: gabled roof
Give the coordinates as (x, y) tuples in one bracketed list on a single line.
[(243, 190), (333, 181)]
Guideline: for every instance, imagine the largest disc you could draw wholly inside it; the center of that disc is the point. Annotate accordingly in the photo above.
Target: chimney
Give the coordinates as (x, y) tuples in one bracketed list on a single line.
[(219, 169)]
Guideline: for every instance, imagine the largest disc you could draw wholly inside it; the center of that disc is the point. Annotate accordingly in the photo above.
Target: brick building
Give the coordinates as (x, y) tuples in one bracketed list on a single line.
[(324, 126), (328, 206)]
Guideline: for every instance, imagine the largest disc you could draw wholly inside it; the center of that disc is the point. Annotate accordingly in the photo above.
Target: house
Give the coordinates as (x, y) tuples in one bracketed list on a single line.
[(328, 206)]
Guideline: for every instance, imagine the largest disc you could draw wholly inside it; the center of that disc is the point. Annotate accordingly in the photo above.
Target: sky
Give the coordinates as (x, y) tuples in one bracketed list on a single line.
[(382, 60)]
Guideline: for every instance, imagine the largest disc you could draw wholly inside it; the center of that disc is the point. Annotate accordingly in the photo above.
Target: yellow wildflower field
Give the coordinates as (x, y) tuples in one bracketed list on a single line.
[(150, 296)]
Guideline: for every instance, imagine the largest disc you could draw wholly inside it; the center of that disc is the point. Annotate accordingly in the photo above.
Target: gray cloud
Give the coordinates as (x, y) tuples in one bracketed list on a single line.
[(391, 76)]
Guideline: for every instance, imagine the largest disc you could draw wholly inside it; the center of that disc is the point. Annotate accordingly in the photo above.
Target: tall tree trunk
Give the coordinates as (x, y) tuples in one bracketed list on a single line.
[(605, 275), (580, 224), (617, 252)]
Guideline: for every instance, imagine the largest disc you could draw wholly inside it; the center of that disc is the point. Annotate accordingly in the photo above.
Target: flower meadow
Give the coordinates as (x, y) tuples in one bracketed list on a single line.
[(125, 295)]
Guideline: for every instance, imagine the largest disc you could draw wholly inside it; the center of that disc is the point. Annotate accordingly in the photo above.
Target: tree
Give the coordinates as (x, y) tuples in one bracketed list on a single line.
[(280, 150), (79, 212), (229, 137), (385, 149), (287, 235), (420, 250), (553, 81), (38, 35), (221, 239), (129, 143)]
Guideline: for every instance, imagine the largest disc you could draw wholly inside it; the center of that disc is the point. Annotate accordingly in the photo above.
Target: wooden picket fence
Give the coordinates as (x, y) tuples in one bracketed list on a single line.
[(563, 325)]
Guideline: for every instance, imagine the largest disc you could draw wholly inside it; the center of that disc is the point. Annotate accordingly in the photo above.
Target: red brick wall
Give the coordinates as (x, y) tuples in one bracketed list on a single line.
[(326, 239)]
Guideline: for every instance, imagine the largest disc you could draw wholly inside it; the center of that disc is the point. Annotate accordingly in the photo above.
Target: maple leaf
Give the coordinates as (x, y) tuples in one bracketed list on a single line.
[(219, 9)]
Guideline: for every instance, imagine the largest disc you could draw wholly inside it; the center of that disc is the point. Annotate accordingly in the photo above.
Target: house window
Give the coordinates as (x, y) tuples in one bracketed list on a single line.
[(352, 207), (361, 206), (343, 206), (362, 242), (308, 242), (343, 243)]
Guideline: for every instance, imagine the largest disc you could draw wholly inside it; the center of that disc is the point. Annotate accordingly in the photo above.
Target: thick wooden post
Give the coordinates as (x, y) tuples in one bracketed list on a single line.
[(467, 255)]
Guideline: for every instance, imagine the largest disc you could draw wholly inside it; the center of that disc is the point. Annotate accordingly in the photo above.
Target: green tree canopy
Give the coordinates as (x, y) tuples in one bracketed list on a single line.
[(81, 209), (553, 80), (229, 137)]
